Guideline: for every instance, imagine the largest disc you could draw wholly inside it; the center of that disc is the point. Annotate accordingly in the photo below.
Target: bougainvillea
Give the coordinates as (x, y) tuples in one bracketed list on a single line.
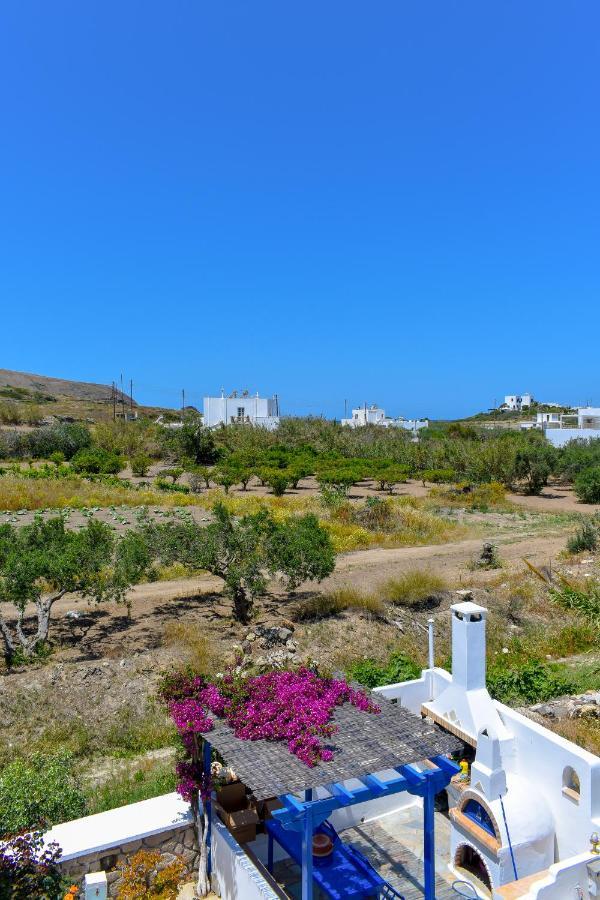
[(294, 707)]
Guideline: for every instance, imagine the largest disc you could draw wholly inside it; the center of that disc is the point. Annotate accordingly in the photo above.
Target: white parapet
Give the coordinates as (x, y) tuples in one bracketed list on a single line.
[(123, 825)]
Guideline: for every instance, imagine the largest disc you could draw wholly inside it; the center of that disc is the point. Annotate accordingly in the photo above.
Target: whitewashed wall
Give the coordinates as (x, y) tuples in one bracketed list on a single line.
[(233, 873)]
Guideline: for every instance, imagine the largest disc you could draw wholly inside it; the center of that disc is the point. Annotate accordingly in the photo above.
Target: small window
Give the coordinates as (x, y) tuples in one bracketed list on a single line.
[(240, 412), (476, 813), (571, 786)]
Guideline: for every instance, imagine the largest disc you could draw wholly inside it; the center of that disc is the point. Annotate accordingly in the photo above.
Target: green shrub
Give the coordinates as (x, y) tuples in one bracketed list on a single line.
[(372, 674), (587, 602), (58, 457), (163, 485), (438, 476), (140, 463), (96, 461), (339, 479), (225, 477), (67, 439), (376, 514), (39, 792), (587, 485), (128, 788), (388, 476), (584, 539), (174, 474), (278, 481), (530, 682)]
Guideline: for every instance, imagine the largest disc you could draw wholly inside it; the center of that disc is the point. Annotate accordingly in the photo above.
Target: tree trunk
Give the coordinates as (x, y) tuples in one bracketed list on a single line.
[(241, 605), (28, 644), (201, 821), (9, 643)]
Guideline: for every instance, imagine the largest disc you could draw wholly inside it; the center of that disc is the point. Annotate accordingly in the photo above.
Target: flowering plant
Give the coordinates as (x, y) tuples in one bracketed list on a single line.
[(295, 707)]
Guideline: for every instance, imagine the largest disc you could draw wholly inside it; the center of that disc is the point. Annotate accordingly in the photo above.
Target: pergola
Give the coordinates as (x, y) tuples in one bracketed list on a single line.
[(379, 753)]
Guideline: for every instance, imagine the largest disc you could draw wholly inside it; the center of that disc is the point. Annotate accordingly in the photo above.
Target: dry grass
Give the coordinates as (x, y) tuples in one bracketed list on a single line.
[(334, 602), (411, 524), (585, 732), (191, 647), (76, 493), (413, 588), (480, 496)]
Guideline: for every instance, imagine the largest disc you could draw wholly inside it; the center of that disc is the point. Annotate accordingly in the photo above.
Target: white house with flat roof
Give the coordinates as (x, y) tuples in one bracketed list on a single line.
[(239, 408), (375, 415), (366, 415), (517, 401)]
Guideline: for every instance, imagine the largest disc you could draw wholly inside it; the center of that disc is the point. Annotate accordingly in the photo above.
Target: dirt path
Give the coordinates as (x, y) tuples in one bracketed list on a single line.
[(367, 568)]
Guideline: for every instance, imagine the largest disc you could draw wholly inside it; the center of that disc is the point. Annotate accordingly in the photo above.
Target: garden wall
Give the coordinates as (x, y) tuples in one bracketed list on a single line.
[(105, 841)]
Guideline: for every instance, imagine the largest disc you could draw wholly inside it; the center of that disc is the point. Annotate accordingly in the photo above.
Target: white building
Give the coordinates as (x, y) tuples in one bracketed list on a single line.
[(241, 409), (581, 424), (375, 415), (366, 415), (548, 420), (517, 402)]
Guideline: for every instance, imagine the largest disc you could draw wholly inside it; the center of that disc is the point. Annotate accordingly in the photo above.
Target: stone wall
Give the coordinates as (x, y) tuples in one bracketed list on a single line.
[(179, 841)]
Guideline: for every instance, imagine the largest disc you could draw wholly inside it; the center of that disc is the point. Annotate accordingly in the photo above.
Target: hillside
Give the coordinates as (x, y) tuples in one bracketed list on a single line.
[(43, 387), (29, 400)]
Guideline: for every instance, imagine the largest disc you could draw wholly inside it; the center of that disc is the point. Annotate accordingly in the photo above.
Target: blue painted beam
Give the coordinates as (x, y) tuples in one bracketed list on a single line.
[(377, 786), (409, 779), (341, 793)]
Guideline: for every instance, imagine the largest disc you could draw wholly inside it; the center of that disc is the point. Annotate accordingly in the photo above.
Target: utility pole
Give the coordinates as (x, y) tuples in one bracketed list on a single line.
[(182, 401), (131, 396), (122, 398), (114, 401), (345, 409)]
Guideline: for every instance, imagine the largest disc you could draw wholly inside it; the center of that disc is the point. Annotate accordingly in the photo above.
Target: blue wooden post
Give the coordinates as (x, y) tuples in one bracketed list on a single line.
[(429, 838), (307, 856), (206, 762), (270, 854)]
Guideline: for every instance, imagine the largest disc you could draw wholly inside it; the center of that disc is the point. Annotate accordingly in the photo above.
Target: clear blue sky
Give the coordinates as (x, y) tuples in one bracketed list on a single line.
[(392, 201)]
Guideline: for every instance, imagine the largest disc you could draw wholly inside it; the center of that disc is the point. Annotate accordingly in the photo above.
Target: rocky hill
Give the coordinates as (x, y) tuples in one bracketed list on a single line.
[(24, 385)]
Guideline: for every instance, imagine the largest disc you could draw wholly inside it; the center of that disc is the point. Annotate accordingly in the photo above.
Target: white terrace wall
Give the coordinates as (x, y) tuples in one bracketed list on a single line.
[(234, 876), (105, 841), (542, 757)]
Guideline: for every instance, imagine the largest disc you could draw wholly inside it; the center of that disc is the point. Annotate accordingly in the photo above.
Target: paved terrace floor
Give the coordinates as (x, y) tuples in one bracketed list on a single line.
[(393, 845)]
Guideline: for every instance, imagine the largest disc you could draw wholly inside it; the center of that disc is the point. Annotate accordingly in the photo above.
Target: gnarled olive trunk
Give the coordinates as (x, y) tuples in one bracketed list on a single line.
[(16, 640)]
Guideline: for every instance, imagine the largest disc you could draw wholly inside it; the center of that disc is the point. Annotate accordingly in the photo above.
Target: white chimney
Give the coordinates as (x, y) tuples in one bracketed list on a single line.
[(464, 706), (468, 645)]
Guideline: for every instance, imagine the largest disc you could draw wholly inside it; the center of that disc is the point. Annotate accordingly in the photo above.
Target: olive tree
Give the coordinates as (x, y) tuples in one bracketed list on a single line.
[(245, 551), (41, 562)]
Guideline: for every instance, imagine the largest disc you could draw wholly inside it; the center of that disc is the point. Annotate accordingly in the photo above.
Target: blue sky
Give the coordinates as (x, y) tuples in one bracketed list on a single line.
[(394, 202)]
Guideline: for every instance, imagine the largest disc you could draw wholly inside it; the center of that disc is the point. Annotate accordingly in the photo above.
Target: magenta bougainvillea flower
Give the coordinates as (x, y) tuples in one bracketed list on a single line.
[(293, 707)]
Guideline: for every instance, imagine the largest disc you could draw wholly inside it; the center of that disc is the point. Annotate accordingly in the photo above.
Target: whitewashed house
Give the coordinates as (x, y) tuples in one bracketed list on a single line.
[(366, 415), (548, 420), (515, 402), (375, 415), (581, 424), (239, 408)]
